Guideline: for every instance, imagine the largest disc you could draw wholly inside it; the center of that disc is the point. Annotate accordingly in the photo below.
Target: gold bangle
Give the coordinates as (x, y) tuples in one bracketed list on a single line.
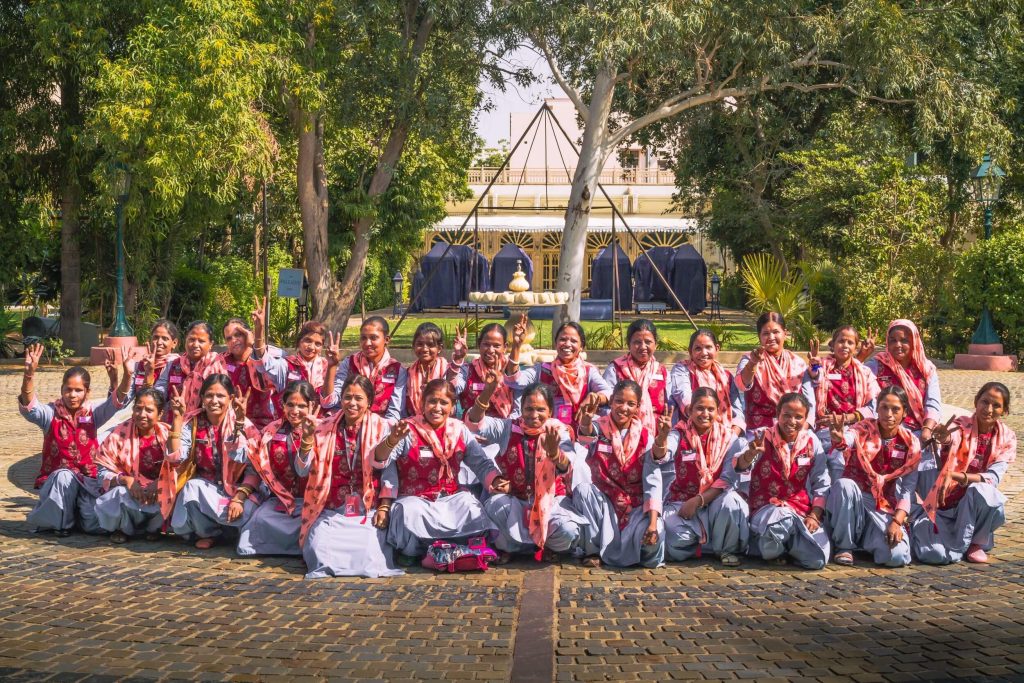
[(483, 405), (174, 435)]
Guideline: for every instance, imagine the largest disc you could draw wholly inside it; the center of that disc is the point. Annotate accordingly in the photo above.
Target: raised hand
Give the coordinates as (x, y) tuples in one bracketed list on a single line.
[(664, 427), (127, 366), (239, 402), (259, 321), (333, 349), (867, 345), (941, 433), (492, 379), (309, 423), (177, 403), (551, 441), (519, 330), (110, 365), (588, 409), (33, 354), (835, 424), (813, 347), (757, 355), (459, 347), (399, 432)]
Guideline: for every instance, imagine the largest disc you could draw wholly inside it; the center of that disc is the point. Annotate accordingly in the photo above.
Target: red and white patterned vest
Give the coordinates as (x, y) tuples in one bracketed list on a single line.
[(686, 485), (516, 463), (760, 410), (977, 465), (622, 485), (151, 458), (346, 469), (565, 411), (889, 458), (768, 486), (260, 408), (383, 387), (281, 451), (420, 472), (69, 444), (475, 385), (842, 391)]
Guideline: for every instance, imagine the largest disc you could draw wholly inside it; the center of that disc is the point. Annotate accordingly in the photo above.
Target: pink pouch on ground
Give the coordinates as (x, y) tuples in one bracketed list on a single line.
[(456, 557)]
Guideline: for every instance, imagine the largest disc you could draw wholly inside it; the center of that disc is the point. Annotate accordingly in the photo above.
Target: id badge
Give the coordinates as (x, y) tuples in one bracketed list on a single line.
[(175, 379), (139, 380), (563, 411), (478, 386), (388, 379), (897, 454), (803, 462), (231, 368), (834, 376), (85, 419), (425, 453), (604, 448), (688, 456), (745, 476), (294, 376), (352, 505)]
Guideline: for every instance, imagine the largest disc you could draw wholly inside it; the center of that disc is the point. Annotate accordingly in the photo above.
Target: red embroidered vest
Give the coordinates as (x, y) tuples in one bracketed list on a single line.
[(517, 464), (208, 447), (889, 458), (346, 469), (69, 444), (282, 462), (622, 485), (475, 385), (260, 408), (383, 386), (656, 389), (565, 411), (842, 392), (978, 464), (151, 458), (768, 485), (686, 485), (886, 378), (760, 410), (420, 472)]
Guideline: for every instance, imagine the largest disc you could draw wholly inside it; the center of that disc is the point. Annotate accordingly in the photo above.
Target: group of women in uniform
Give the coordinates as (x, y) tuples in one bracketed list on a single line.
[(359, 464)]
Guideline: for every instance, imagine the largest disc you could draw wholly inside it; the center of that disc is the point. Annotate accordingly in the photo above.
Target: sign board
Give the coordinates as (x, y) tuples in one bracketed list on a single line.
[(289, 282)]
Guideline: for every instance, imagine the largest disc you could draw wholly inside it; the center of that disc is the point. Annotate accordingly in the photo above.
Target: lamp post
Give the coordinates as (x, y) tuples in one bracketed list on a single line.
[(122, 183), (716, 293), (397, 281), (986, 182)]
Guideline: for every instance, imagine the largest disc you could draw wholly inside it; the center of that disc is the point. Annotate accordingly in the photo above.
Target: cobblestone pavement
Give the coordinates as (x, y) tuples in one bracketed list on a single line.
[(80, 608)]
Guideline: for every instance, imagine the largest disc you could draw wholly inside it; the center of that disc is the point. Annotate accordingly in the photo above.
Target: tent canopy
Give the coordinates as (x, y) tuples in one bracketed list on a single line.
[(647, 286), (602, 275), (503, 266), (454, 278), (689, 278)]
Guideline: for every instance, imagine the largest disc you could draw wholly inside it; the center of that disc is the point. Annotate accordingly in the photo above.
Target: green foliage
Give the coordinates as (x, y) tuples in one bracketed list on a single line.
[(725, 334), (769, 288), (53, 349), (990, 272), (732, 293), (606, 337), (10, 325)]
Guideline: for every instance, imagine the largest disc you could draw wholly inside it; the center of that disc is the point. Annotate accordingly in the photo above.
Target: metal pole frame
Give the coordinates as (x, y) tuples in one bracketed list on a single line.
[(423, 287), (120, 328)]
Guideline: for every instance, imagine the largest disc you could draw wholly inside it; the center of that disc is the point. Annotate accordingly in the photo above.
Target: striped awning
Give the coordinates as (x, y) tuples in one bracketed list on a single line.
[(556, 223)]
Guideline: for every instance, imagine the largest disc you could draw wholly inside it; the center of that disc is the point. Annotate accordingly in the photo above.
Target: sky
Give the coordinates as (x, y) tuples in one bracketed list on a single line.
[(493, 125)]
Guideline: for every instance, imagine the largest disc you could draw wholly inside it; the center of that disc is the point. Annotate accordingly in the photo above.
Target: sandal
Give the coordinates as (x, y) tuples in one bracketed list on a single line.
[(730, 560), (779, 561), (153, 536), (844, 558), (206, 543), (118, 537), (403, 560), (503, 558), (62, 533), (591, 561)]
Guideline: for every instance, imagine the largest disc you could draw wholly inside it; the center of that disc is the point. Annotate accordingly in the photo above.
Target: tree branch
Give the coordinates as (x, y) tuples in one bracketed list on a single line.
[(581, 108)]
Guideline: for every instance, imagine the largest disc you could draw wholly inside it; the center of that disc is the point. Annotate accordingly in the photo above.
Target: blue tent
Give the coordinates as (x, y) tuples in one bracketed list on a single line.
[(503, 266), (689, 278), (444, 287), (468, 281), (647, 286), (602, 278)]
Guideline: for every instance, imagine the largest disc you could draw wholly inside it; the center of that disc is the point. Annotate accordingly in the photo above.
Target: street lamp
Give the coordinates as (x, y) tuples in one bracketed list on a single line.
[(986, 182), (716, 293), (397, 281), (121, 185)]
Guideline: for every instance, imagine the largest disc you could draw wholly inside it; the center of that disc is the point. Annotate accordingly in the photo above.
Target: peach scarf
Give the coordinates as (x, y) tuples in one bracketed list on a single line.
[(571, 378), (444, 448), (917, 359), (784, 450), (708, 462), (865, 386), (418, 378), (623, 450), (370, 370), (778, 376), (643, 376), (868, 443), (120, 454), (544, 475)]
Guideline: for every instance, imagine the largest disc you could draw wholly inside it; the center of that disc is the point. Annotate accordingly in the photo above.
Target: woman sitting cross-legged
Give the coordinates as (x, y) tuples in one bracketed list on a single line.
[(536, 457), (702, 511), (428, 450), (868, 507)]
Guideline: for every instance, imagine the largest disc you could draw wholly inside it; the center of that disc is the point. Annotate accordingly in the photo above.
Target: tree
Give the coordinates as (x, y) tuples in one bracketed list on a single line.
[(627, 65)]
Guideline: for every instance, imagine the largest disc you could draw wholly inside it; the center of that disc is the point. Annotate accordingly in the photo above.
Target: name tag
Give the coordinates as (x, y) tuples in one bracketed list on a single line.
[(175, 379), (835, 376), (280, 437), (352, 502), (803, 462), (202, 441), (688, 456), (85, 419), (745, 476), (231, 368), (604, 448), (477, 386), (425, 452), (293, 375), (660, 376), (898, 455), (388, 379), (563, 411), (139, 380)]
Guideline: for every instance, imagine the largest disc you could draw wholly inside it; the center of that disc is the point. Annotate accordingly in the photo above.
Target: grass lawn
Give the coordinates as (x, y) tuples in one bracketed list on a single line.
[(673, 333)]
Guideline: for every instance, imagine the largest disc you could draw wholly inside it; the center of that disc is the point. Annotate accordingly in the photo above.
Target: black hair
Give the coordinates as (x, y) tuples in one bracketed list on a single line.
[(770, 317), (363, 383), (217, 378), (77, 371), (153, 393), (203, 325), (172, 329), (897, 391), (545, 392), (579, 330), (793, 397), (624, 384), (840, 330), (702, 333), (431, 329), (704, 392), (438, 385), (641, 325), (492, 327), (989, 386), (379, 321), (302, 388)]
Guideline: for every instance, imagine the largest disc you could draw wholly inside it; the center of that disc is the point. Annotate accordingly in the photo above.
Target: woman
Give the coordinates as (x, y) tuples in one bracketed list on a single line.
[(904, 364), (344, 492), (273, 528), (211, 447), (788, 482), (163, 340), (844, 387), (964, 507), (704, 370), (67, 476), (139, 480), (576, 383), (642, 367), (472, 377), (428, 451), (374, 361), (240, 363), (430, 364), (185, 374), (536, 457), (701, 510), (613, 502), (869, 501), (768, 372), (305, 365)]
